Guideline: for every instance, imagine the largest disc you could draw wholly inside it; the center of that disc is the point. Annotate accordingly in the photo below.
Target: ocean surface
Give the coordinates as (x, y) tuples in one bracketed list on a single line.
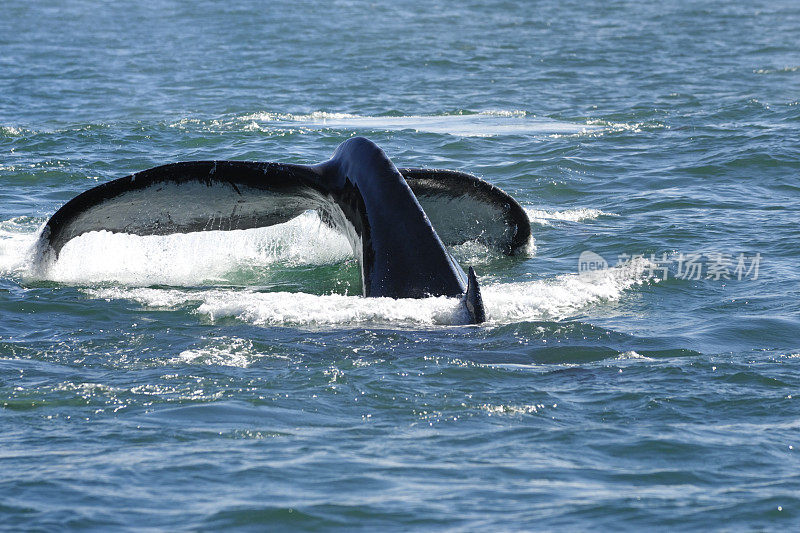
[(238, 380)]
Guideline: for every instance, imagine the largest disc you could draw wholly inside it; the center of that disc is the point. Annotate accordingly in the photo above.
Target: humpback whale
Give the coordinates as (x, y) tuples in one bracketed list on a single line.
[(389, 215)]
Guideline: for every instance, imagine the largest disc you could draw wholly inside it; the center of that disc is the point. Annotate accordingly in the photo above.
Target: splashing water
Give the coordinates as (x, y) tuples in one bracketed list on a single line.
[(133, 264)]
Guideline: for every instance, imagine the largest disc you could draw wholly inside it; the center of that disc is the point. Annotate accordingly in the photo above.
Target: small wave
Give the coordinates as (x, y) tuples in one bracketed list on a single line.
[(600, 127), (783, 70), (11, 131), (543, 217), (266, 116), (488, 123), (223, 351), (513, 409), (484, 124), (632, 355)]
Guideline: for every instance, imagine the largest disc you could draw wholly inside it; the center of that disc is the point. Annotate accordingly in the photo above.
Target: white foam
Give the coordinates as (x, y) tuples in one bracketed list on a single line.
[(556, 298), (485, 124), (559, 297), (632, 355), (293, 308)]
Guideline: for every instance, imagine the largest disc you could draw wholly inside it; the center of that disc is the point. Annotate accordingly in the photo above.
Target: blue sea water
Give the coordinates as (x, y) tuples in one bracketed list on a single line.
[(237, 380)]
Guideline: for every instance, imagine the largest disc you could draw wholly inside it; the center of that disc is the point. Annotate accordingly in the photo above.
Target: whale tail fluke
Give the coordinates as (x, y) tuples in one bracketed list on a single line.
[(399, 221)]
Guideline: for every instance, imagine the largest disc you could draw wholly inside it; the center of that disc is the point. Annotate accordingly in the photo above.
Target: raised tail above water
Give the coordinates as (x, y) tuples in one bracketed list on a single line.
[(388, 214)]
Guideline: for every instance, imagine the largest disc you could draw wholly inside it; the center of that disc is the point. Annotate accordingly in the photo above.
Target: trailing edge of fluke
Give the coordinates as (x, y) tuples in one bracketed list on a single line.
[(388, 214)]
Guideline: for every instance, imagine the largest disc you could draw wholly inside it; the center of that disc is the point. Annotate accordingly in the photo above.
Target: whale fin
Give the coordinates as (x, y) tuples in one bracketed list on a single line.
[(473, 300), (463, 208)]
